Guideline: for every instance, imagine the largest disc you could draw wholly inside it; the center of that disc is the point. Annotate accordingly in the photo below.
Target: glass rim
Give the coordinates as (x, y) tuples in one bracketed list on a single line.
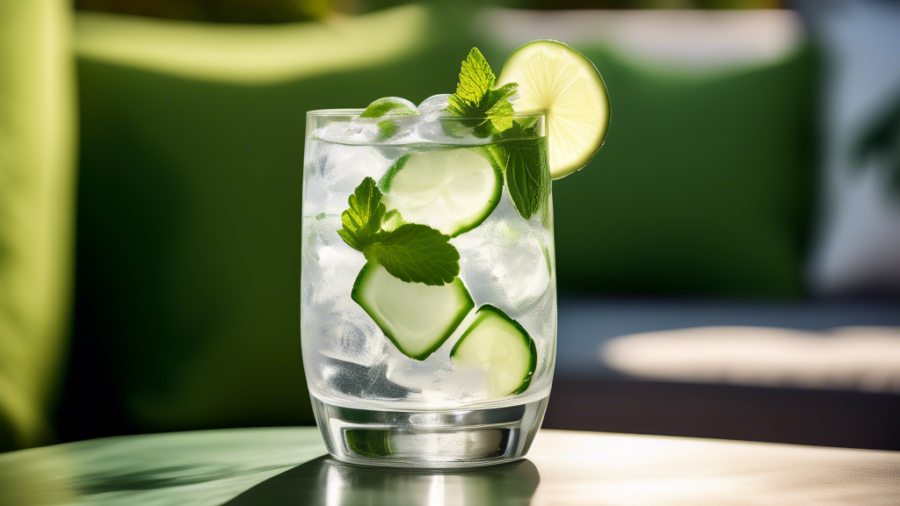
[(355, 113)]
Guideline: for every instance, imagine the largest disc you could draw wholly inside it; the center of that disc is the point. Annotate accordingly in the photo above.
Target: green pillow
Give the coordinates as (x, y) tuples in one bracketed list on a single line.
[(190, 204), (36, 213), (703, 186)]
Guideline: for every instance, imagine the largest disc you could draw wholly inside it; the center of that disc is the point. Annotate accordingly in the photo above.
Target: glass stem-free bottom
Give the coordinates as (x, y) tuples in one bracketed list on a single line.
[(433, 439)]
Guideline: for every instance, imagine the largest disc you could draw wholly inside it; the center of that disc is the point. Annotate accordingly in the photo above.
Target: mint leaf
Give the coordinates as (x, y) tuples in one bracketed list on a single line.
[(501, 115), (362, 221), (506, 92), (390, 215), (391, 220), (411, 252), (499, 106), (527, 126), (519, 129), (525, 166), (502, 95), (416, 253), (474, 97), (475, 80)]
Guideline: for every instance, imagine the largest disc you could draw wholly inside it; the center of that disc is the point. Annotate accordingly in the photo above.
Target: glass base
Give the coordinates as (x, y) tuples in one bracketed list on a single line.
[(429, 439)]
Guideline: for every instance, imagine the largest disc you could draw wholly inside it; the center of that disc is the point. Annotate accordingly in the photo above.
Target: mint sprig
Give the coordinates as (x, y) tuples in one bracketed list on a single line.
[(362, 221), (527, 174), (417, 253), (411, 252), (476, 98), (524, 164)]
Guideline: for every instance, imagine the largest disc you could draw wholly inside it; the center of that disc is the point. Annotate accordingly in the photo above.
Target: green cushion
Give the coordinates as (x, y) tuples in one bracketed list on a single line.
[(703, 186), (190, 202), (36, 213)]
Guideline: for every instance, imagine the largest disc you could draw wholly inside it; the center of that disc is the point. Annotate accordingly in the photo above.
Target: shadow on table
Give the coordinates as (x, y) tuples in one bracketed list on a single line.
[(327, 481)]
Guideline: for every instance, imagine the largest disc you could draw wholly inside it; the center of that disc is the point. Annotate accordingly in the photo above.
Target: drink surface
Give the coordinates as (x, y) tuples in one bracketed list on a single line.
[(506, 262)]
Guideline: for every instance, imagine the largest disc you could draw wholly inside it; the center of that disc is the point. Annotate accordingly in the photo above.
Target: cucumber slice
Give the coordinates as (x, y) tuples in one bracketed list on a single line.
[(560, 81), (499, 345), (451, 190), (416, 317)]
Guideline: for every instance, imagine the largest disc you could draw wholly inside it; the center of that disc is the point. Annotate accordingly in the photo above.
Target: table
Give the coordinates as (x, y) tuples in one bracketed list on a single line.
[(288, 467)]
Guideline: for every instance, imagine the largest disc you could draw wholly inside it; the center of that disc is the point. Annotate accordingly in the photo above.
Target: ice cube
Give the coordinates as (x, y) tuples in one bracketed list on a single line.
[(361, 381), (523, 272), (353, 132), (432, 129), (506, 261), (337, 268), (444, 130), (329, 267), (398, 130), (439, 380), (333, 163), (351, 338), (389, 106), (335, 172), (333, 324), (434, 107)]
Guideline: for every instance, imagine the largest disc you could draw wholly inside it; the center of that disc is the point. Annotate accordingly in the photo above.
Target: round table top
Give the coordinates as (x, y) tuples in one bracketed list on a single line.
[(287, 466)]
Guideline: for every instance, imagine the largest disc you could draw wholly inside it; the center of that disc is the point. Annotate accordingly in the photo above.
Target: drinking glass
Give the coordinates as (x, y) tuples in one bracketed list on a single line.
[(406, 373)]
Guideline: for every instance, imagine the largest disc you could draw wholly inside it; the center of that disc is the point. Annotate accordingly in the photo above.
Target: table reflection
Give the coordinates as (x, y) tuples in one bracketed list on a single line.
[(328, 482)]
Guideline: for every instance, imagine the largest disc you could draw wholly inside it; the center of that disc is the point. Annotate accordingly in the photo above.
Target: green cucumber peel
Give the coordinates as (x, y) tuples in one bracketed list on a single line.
[(409, 341), (488, 311)]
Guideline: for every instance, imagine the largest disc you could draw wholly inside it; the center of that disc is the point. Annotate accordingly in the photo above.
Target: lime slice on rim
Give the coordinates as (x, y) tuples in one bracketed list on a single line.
[(560, 81)]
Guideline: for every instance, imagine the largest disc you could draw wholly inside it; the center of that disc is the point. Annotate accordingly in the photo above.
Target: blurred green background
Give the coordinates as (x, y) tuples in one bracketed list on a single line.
[(285, 11), (188, 117)]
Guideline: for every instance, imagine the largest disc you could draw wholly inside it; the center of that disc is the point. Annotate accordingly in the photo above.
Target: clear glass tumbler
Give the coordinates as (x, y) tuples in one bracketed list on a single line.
[(428, 299)]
